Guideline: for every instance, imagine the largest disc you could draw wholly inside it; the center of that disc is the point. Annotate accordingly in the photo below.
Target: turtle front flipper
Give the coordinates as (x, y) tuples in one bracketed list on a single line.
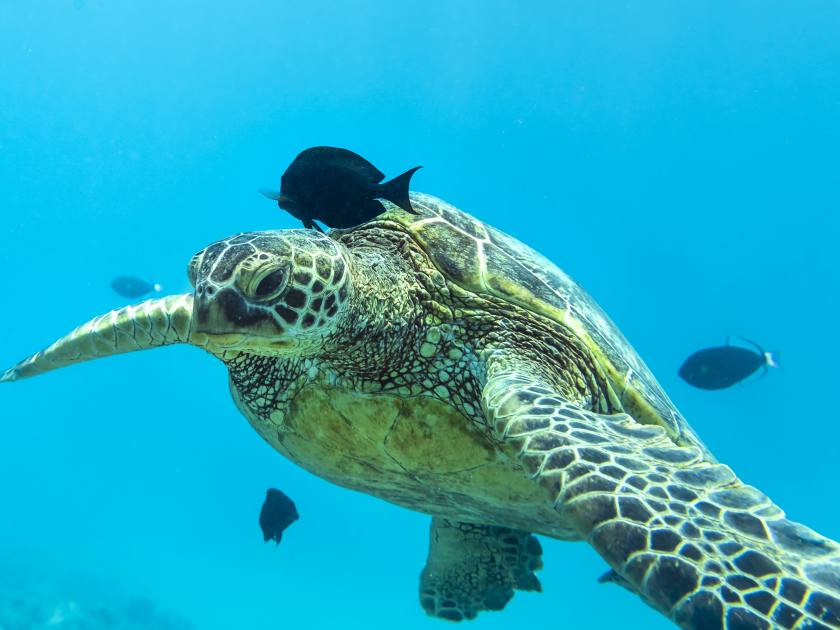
[(476, 567), (686, 534), (151, 324)]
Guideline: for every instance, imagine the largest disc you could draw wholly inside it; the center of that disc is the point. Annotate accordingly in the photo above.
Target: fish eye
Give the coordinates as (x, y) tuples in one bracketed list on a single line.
[(270, 285)]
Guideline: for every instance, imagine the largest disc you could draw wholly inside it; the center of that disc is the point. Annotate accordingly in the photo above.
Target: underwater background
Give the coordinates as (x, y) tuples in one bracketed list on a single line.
[(680, 160)]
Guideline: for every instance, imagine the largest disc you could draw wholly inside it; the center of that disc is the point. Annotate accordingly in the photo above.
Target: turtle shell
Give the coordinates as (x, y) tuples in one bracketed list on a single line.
[(484, 260)]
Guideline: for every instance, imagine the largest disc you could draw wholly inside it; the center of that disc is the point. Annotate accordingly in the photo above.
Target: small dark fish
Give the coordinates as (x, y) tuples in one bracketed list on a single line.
[(338, 188), (131, 287), (723, 366), (278, 512)]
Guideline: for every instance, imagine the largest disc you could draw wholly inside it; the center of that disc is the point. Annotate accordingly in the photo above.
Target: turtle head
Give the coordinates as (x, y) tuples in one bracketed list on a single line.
[(270, 293)]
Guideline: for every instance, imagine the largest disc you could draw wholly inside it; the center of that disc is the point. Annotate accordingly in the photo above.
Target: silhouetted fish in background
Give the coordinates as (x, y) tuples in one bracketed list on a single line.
[(723, 366), (278, 512), (338, 188), (131, 287)]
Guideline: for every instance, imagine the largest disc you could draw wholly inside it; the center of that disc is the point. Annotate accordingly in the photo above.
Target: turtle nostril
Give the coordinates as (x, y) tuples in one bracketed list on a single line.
[(210, 291)]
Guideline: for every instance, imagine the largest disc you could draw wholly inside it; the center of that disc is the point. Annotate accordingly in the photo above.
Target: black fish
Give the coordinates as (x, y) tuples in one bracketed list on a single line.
[(721, 367), (278, 512), (338, 188), (131, 287)]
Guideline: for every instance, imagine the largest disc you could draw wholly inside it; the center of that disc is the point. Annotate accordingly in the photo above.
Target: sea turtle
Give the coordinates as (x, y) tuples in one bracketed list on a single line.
[(441, 365)]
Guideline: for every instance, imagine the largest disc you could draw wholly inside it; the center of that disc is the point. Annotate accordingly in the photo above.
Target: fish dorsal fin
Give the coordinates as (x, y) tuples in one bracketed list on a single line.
[(745, 340), (343, 158)]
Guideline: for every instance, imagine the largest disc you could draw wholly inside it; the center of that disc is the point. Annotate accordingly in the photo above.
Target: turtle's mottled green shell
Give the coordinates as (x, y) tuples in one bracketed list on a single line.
[(484, 260)]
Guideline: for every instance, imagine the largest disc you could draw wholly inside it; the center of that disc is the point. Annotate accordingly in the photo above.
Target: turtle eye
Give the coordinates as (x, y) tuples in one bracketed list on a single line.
[(271, 285)]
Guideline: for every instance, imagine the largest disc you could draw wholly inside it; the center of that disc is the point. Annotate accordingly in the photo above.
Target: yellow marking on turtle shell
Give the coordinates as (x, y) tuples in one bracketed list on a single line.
[(632, 399)]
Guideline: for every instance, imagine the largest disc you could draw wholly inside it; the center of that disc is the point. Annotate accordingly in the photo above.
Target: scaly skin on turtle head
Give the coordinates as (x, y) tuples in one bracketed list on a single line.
[(269, 293)]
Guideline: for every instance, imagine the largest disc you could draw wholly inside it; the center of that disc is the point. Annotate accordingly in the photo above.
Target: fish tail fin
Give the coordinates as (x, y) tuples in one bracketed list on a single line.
[(396, 190), (771, 359)]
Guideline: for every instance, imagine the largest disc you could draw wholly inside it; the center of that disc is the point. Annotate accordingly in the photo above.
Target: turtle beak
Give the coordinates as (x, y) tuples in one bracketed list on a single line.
[(223, 321), (150, 324)]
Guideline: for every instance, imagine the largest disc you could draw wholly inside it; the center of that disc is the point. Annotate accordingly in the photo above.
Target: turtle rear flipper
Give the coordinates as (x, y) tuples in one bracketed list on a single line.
[(476, 567)]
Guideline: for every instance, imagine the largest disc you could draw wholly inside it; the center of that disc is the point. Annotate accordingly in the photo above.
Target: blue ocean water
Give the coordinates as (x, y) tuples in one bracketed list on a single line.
[(678, 159)]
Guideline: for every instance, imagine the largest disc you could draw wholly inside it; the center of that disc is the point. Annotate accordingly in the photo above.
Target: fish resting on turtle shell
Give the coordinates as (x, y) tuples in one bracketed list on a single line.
[(441, 365), (339, 188)]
